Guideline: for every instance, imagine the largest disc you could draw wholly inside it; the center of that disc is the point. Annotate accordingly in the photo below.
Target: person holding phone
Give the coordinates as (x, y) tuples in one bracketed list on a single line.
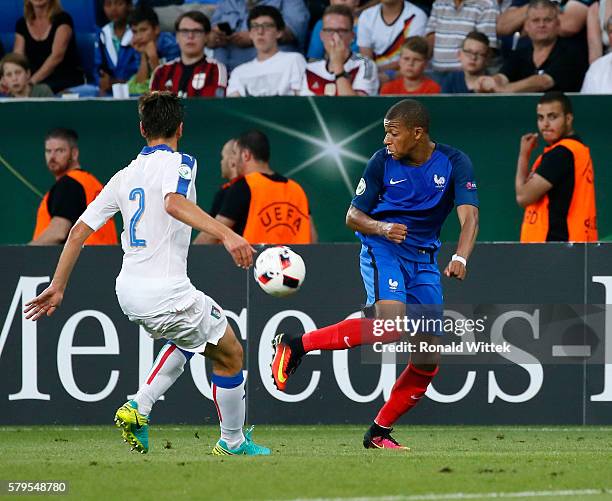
[(230, 36)]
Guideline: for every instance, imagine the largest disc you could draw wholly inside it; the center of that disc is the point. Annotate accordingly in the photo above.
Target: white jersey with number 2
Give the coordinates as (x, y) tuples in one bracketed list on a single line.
[(153, 277)]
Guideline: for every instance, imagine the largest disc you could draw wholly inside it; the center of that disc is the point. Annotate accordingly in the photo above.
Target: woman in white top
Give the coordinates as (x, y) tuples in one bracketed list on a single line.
[(597, 33)]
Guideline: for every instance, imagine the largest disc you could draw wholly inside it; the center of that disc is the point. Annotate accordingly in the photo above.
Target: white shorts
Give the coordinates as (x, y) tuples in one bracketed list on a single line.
[(190, 325)]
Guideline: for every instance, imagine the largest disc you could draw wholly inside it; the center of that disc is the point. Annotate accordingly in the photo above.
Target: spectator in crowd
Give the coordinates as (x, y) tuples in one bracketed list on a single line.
[(271, 73), (169, 10), (598, 78), (45, 35), (598, 28), (342, 72), (316, 50), (153, 46), (15, 74), (263, 206), (449, 24), (412, 63), (473, 56), (229, 171), (230, 36), (115, 60), (384, 28), (558, 193), (192, 75), (572, 20), (73, 191), (550, 63)]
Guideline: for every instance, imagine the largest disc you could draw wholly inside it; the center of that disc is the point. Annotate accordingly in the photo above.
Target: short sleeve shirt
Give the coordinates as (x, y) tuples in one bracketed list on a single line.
[(565, 65)]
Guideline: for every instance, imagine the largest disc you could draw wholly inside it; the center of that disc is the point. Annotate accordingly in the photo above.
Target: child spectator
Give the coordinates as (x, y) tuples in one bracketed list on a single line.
[(115, 60), (473, 56), (15, 75), (412, 63), (315, 48), (45, 35), (155, 47)]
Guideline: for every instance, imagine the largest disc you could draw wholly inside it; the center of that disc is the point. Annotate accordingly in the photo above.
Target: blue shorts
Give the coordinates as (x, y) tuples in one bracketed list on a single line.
[(387, 276)]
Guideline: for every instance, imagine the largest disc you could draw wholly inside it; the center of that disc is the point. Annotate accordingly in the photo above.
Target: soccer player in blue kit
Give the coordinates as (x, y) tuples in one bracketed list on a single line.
[(408, 189)]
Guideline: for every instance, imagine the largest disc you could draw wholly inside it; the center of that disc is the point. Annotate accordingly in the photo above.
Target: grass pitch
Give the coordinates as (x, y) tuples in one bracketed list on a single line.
[(317, 462)]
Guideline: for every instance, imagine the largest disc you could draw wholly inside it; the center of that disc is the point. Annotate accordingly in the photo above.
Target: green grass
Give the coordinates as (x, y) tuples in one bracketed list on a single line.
[(311, 462)]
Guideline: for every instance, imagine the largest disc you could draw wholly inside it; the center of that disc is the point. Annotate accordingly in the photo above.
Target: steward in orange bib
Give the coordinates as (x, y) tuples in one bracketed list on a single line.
[(558, 193), (73, 191), (263, 206)]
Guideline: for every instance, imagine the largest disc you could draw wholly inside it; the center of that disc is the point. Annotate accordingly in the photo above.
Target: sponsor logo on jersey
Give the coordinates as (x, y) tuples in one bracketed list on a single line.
[(470, 185), (398, 181), (215, 312)]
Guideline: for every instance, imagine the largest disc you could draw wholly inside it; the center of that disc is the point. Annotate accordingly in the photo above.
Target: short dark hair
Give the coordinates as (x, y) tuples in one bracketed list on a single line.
[(411, 112), (267, 10), (556, 96), (340, 10), (536, 4), (477, 36), (161, 114), (68, 135), (14, 58), (257, 143), (418, 45), (196, 16), (141, 14)]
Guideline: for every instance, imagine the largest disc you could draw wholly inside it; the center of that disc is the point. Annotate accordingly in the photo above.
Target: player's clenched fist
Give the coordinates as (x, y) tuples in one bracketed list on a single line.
[(395, 232), (455, 269), (240, 250)]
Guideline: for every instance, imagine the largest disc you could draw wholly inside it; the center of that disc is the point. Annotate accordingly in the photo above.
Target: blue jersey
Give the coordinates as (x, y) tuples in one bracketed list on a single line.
[(421, 197)]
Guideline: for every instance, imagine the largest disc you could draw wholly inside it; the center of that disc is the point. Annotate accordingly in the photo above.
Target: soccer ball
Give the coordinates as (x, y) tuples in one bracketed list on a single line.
[(279, 271)]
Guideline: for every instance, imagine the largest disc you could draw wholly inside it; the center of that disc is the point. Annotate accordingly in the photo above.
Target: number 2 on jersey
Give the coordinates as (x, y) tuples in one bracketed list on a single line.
[(137, 193)]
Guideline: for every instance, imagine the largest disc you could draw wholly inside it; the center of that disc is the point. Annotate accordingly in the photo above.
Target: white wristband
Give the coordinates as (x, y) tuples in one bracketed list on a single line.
[(462, 260)]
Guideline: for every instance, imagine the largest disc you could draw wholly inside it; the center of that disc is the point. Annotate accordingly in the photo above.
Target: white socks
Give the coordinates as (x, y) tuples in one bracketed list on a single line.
[(166, 370), (228, 392), (229, 397)]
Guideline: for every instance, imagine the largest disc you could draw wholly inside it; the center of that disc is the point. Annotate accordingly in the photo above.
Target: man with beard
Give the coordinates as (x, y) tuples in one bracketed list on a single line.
[(73, 191)]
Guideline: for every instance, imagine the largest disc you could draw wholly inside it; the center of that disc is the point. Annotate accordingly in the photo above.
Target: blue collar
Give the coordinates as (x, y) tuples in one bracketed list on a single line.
[(147, 150)]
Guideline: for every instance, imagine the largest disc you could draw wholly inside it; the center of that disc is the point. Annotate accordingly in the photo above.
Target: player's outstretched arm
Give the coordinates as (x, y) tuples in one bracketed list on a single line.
[(358, 220), (49, 300), (468, 218), (189, 213)]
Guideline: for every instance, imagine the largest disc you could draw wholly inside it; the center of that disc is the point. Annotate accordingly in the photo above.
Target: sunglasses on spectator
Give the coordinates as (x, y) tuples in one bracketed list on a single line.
[(340, 31), (475, 55), (185, 33), (262, 26)]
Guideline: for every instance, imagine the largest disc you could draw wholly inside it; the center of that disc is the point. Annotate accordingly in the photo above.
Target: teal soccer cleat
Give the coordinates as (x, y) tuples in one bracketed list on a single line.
[(247, 448)]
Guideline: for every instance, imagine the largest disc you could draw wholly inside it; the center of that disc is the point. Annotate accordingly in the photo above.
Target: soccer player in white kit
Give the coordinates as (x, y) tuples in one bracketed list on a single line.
[(156, 197)]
